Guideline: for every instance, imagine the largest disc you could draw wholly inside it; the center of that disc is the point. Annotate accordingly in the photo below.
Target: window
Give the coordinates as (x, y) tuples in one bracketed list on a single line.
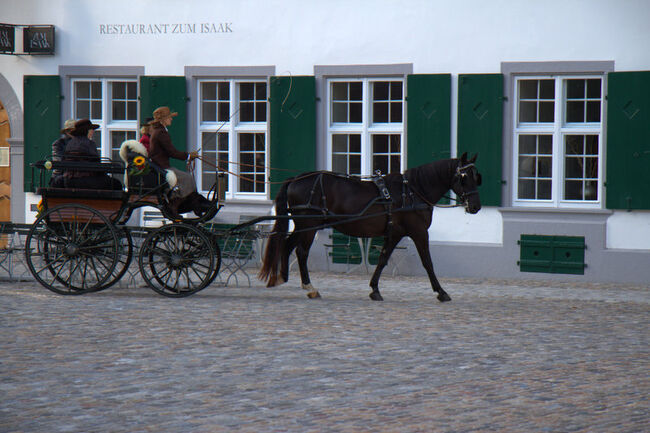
[(232, 135), (365, 125), (558, 141), (110, 103)]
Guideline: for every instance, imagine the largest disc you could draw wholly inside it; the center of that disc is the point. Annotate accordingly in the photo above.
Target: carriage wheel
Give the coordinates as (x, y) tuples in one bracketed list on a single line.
[(177, 260), (124, 257), (217, 259), (72, 249)]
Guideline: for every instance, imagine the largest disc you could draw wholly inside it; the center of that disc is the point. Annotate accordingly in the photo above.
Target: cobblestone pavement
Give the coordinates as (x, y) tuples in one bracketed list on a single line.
[(503, 356)]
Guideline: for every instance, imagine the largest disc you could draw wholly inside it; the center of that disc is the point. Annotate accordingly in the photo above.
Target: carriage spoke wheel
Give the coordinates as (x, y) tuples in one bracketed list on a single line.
[(177, 260), (72, 249), (124, 257)]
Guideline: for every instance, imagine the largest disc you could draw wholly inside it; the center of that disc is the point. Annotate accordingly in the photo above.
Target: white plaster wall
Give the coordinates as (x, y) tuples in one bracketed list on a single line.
[(629, 230), (294, 35), (454, 225)]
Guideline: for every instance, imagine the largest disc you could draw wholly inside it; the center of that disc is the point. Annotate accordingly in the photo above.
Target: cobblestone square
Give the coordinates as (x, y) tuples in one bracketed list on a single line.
[(503, 356)]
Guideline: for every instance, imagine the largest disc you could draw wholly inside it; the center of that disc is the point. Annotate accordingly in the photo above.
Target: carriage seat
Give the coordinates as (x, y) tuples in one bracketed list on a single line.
[(152, 177)]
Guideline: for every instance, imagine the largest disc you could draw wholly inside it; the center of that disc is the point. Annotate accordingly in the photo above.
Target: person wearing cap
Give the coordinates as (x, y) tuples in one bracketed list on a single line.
[(82, 148), (145, 135), (58, 148), (184, 197)]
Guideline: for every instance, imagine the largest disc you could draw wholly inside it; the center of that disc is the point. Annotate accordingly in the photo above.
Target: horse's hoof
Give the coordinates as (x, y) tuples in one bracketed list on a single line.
[(313, 295), (444, 297), (375, 296)]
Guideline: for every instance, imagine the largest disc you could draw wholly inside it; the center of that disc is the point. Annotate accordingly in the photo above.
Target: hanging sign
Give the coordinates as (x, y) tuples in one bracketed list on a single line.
[(38, 39), (7, 39)]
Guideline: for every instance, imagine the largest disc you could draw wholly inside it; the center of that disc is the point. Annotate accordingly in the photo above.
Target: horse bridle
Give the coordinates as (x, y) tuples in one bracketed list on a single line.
[(461, 173)]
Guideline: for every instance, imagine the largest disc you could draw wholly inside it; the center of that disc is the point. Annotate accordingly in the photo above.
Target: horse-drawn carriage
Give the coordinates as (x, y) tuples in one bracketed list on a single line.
[(81, 242)]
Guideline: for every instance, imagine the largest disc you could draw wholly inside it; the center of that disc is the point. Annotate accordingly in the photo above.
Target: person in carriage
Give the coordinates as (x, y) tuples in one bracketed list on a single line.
[(184, 197), (81, 147)]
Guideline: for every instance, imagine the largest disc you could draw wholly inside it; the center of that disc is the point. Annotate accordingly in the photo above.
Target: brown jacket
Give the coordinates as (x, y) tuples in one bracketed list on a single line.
[(161, 147)]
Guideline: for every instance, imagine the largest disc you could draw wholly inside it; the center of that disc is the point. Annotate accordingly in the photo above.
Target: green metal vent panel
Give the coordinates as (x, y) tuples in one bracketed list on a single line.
[(552, 254)]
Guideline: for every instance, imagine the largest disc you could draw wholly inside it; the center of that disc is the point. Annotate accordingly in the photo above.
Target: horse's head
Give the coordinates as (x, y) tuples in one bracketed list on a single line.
[(466, 182)]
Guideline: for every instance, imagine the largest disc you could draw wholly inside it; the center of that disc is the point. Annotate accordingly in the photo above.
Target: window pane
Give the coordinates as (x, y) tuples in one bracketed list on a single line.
[(573, 190), (527, 89), (546, 111), (527, 144), (380, 91), (526, 189), (132, 110), (340, 163), (260, 111), (119, 90), (208, 111), (340, 91), (224, 91), (380, 143), (396, 90), (573, 168), (575, 111), (246, 91), (355, 113), (246, 143), (132, 90), (527, 167), (119, 110), (591, 168), (380, 112), (96, 90), (544, 167), (339, 112), (396, 112), (209, 91), (83, 90), (547, 89), (208, 142), (356, 92), (574, 144), (545, 144), (96, 110), (82, 110), (528, 111), (591, 190), (575, 89), (591, 144), (246, 112), (593, 88), (355, 165), (339, 143), (593, 111), (355, 143), (260, 91), (224, 111), (544, 189)]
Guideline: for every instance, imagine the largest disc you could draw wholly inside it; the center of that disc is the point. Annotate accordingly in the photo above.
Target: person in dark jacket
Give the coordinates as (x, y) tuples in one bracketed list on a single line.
[(82, 148), (58, 148), (184, 196)]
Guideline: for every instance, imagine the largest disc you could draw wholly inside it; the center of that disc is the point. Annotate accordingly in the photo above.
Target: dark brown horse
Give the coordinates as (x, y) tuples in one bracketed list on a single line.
[(361, 208)]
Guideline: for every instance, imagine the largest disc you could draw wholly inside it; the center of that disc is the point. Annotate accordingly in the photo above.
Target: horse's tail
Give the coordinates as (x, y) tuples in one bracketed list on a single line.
[(277, 240)]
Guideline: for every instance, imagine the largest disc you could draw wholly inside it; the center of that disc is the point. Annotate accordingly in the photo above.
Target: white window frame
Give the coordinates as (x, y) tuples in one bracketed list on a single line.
[(106, 123), (234, 127), (366, 128), (558, 130)]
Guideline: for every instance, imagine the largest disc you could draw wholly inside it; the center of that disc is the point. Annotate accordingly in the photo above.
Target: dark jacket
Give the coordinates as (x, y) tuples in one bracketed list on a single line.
[(81, 149), (161, 147), (58, 149)]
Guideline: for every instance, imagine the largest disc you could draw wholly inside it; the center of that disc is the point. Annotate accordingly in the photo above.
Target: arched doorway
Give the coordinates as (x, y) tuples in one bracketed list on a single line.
[(5, 169)]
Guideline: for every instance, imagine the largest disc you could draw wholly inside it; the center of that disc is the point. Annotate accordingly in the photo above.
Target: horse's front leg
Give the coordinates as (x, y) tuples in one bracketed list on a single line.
[(421, 241), (386, 251), (304, 242)]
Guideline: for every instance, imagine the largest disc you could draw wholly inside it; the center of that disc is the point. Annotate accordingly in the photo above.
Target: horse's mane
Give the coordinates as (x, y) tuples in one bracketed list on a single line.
[(438, 172)]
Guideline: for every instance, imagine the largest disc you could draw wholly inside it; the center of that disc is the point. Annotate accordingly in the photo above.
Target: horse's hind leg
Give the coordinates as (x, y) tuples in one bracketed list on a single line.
[(286, 254), (305, 240), (385, 254), (422, 244)]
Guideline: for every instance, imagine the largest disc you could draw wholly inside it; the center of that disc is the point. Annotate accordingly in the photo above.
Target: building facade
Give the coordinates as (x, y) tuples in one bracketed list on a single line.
[(554, 97)]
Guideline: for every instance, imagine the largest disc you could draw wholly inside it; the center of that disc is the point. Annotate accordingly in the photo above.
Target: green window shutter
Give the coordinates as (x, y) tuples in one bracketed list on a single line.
[(428, 118), (628, 140), (42, 102), (480, 129), (170, 91), (292, 128)]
